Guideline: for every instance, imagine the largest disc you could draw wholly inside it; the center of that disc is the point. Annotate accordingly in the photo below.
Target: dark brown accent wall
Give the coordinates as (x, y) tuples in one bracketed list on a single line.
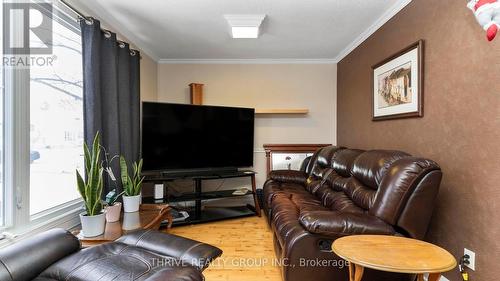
[(461, 124)]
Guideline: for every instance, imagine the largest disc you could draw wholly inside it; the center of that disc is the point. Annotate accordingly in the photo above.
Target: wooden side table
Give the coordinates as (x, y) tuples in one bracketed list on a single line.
[(150, 216), (393, 254)]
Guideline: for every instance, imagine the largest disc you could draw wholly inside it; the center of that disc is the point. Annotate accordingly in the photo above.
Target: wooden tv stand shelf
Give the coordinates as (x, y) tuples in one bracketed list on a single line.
[(198, 214)]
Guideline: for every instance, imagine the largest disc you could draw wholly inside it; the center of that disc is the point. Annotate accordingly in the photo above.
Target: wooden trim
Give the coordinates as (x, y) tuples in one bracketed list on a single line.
[(196, 91), (290, 148), (420, 110)]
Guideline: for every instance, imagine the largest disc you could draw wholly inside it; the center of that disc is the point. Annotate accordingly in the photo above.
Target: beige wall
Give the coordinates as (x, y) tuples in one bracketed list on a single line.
[(311, 86), (149, 75)]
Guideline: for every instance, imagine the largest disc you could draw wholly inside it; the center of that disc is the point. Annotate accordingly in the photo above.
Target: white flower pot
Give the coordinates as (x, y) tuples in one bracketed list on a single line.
[(131, 203), (92, 225), (113, 212)]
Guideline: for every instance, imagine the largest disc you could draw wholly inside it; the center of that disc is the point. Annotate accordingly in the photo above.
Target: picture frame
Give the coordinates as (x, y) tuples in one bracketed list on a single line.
[(398, 84)]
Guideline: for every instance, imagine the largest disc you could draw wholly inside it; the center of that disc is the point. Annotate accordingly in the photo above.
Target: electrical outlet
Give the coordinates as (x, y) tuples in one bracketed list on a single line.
[(472, 259)]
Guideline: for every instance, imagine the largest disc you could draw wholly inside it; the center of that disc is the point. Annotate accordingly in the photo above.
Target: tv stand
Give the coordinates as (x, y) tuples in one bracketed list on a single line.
[(197, 214), (198, 173)]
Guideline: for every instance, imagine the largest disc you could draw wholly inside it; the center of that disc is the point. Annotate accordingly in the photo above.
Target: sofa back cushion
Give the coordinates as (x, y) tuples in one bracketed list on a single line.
[(398, 185), (335, 180), (321, 160), (370, 167), (343, 160), (367, 172)]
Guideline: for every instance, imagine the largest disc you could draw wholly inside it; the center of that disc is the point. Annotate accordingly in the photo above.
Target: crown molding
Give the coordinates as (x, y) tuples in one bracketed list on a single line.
[(247, 61), (389, 14), (110, 22)]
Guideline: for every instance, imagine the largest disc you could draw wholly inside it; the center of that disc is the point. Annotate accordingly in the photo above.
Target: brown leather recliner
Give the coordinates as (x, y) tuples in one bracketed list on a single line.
[(346, 192)]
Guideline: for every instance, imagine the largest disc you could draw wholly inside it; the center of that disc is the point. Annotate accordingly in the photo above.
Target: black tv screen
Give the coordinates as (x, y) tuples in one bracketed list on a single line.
[(184, 137)]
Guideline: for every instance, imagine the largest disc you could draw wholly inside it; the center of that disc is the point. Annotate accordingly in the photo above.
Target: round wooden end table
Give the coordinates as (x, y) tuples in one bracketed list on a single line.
[(393, 254)]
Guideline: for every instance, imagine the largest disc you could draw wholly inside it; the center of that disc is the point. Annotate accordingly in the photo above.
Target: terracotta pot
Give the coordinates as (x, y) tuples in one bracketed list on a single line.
[(113, 212), (93, 225)]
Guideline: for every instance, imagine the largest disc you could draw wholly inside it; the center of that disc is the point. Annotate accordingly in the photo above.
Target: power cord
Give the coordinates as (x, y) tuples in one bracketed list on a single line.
[(464, 260)]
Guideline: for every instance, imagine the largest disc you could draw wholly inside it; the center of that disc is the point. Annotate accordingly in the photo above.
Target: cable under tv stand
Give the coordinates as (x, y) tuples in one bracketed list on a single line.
[(198, 214)]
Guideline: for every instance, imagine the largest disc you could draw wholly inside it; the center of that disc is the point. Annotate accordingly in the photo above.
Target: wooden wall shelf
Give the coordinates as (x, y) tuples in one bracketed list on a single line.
[(196, 90), (281, 111)]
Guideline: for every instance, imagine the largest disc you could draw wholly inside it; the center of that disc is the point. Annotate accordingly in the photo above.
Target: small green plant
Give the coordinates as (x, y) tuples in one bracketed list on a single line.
[(131, 185), (91, 188)]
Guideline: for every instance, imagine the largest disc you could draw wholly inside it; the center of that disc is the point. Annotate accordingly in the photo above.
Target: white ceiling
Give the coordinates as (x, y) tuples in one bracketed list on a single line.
[(196, 29)]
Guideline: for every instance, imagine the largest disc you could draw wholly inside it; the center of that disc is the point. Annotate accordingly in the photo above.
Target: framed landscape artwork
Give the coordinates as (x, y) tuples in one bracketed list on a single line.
[(397, 84)]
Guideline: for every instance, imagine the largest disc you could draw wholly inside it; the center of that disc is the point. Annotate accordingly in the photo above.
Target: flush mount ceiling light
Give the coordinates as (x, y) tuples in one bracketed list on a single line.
[(244, 26)]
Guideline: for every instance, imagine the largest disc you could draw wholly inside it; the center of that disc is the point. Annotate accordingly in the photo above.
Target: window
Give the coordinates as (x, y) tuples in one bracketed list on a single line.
[(2, 188), (41, 126), (56, 122)]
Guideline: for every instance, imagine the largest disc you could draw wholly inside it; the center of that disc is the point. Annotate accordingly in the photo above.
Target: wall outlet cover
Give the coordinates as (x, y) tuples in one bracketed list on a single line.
[(472, 259)]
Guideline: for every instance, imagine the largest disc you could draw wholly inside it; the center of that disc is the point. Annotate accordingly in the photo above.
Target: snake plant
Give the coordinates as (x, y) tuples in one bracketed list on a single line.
[(131, 185), (91, 188)]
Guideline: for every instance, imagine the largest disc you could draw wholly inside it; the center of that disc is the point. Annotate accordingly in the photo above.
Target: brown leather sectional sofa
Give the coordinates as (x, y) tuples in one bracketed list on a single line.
[(345, 192)]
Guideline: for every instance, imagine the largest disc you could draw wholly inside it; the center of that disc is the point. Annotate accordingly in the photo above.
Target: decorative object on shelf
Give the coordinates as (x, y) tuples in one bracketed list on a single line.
[(131, 186), (93, 219), (196, 90), (113, 208), (487, 14), (397, 84)]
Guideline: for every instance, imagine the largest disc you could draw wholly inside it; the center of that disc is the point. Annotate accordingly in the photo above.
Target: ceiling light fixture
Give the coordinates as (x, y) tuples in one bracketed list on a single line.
[(245, 26)]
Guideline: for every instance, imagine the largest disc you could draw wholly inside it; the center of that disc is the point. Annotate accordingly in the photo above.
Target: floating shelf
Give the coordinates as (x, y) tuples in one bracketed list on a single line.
[(282, 111)]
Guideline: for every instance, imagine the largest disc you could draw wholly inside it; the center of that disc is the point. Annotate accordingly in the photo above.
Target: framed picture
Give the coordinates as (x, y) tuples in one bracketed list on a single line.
[(397, 84)]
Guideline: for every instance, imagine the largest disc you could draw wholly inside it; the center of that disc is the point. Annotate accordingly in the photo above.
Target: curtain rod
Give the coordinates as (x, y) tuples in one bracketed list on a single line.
[(87, 18), (73, 9)]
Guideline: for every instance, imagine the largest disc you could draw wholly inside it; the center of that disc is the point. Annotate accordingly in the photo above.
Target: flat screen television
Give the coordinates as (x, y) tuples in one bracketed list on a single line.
[(194, 137)]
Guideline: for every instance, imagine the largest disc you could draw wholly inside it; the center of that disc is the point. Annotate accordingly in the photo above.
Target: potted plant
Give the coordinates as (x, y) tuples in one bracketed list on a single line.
[(113, 208), (93, 219), (131, 186)]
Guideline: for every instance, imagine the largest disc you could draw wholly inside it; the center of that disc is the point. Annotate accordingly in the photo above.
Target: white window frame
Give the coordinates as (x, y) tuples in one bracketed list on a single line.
[(18, 222)]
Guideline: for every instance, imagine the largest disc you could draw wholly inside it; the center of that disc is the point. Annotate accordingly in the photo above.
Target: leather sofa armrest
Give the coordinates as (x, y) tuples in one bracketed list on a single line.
[(188, 251), (289, 176), (26, 259), (332, 223)]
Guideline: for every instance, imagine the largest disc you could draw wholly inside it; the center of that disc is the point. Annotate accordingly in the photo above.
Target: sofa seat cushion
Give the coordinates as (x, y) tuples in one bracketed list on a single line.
[(118, 261), (285, 216), (339, 201), (336, 224), (274, 188)]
